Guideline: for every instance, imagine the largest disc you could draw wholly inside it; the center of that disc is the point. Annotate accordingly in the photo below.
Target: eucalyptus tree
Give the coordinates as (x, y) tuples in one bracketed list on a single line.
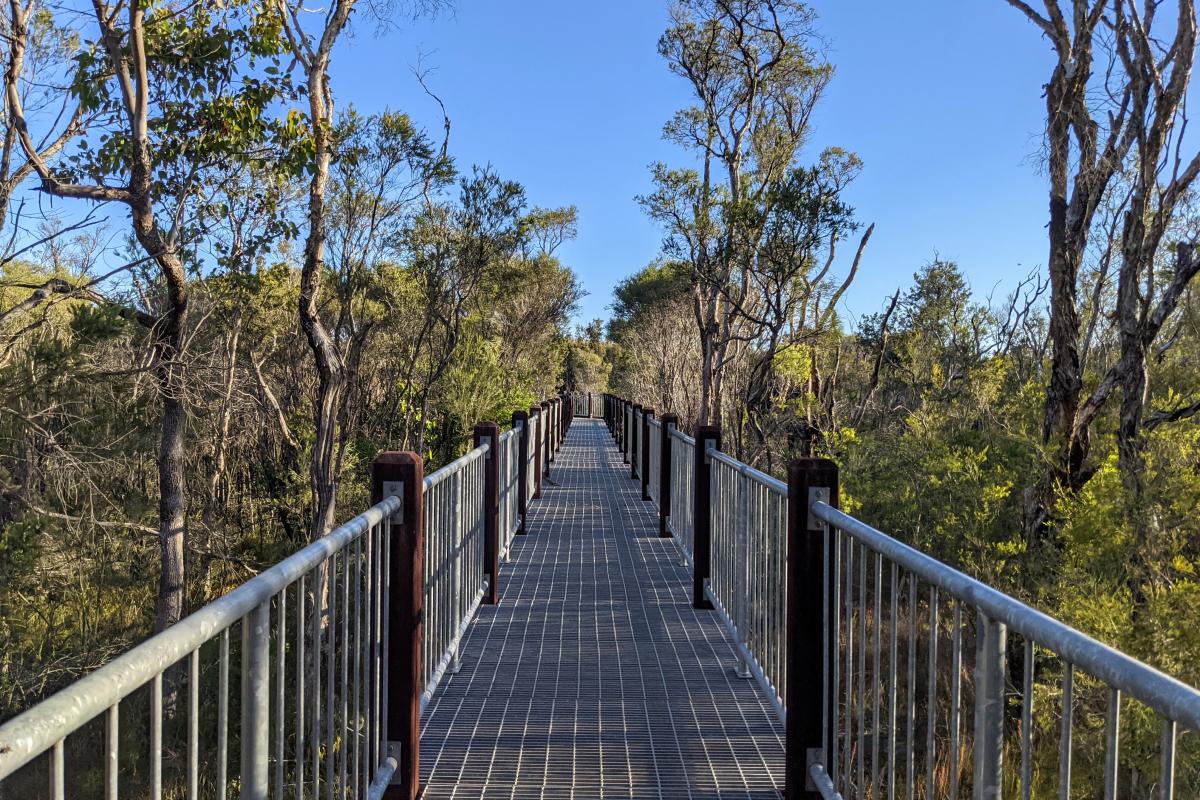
[(173, 96), (756, 74), (1115, 122)]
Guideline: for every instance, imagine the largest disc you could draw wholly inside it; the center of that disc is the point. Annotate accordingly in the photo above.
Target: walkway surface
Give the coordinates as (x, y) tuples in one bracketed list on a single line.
[(595, 677)]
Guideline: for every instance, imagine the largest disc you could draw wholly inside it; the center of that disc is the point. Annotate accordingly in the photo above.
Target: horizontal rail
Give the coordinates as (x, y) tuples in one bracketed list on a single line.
[(1166, 695), (35, 731), (454, 466), (774, 484)]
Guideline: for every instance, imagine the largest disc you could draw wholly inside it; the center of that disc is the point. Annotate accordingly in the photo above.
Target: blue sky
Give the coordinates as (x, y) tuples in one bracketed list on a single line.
[(940, 98)]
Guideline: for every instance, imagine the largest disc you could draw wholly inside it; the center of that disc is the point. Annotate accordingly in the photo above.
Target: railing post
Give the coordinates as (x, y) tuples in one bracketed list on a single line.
[(989, 708), (535, 412), (644, 438), (521, 418), (669, 421), (490, 432), (809, 702), (634, 437), (702, 514), (589, 416), (256, 702), (403, 474)]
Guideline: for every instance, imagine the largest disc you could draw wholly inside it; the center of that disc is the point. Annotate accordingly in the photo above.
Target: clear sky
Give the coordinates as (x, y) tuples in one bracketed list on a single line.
[(942, 99)]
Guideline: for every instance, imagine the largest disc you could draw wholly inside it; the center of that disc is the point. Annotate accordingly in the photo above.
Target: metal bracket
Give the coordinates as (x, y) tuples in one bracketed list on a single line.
[(813, 755), (816, 494), (395, 489)]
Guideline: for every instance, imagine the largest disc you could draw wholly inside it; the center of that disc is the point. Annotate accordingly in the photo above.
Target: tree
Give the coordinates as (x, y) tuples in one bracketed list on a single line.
[(756, 77), (1113, 138), (152, 80)]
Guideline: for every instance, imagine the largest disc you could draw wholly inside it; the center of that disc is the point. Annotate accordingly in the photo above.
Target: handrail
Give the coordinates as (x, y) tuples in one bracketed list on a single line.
[(36, 730), (1168, 696), (774, 484), (777, 560), (454, 466)]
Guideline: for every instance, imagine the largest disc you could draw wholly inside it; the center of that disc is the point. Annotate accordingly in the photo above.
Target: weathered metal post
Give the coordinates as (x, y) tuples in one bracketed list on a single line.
[(489, 432), (403, 475), (702, 514), (669, 422), (809, 700), (589, 405), (520, 421), (647, 415)]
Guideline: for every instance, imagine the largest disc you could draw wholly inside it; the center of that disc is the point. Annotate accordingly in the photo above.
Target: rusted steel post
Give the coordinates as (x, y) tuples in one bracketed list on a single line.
[(702, 514), (403, 474), (644, 438), (669, 421), (520, 420), (490, 432), (809, 701)]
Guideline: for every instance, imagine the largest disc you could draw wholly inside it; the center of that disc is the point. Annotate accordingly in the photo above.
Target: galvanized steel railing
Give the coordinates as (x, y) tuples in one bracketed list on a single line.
[(454, 562), (895, 675), (681, 501), (904, 628), (532, 459), (284, 686), (298, 650), (654, 474), (748, 569), (510, 489)]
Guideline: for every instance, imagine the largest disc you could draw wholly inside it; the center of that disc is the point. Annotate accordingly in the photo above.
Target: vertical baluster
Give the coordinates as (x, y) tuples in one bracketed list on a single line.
[(223, 716), (876, 677), (193, 735), (1166, 772), (894, 607), (931, 697), (910, 694), (344, 649), (280, 653), (58, 783), (1112, 735), (849, 610), (112, 764), (1027, 724), (330, 670), (1064, 747), (836, 539), (956, 694), (155, 739), (861, 745), (356, 765), (256, 702), (300, 697), (320, 584), (828, 685)]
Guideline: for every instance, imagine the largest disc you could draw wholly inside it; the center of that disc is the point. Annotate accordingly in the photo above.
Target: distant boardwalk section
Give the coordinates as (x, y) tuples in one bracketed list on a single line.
[(595, 677)]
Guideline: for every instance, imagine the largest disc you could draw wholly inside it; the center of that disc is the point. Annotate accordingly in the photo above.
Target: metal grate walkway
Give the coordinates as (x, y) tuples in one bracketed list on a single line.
[(595, 677)]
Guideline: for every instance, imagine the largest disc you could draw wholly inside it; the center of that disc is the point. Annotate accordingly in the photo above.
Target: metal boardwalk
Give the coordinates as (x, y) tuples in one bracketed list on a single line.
[(595, 677)]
